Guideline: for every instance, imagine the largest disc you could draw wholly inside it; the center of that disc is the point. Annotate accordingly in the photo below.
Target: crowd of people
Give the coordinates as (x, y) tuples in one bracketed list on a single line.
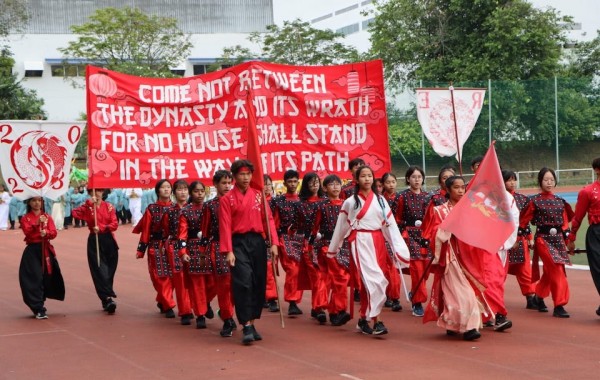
[(330, 238)]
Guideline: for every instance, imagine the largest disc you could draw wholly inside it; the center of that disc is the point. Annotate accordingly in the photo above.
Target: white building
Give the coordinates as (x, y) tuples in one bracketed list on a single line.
[(212, 24)]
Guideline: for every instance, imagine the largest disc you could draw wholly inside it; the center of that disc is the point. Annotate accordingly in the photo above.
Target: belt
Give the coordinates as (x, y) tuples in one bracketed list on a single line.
[(193, 233), (156, 236), (549, 230)]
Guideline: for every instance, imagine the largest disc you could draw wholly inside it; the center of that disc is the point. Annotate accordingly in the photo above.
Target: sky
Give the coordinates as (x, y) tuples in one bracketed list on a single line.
[(585, 12)]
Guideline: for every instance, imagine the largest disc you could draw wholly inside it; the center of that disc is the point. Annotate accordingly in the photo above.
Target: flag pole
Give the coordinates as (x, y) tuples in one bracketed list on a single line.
[(451, 88)]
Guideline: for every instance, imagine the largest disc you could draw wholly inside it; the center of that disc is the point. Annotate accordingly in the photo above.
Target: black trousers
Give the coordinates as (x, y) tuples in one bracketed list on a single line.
[(592, 246), (249, 276), (31, 278), (103, 275)]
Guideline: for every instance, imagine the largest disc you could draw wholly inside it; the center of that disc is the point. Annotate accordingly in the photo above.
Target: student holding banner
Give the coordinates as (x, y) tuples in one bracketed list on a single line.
[(367, 222), (101, 220), (242, 232)]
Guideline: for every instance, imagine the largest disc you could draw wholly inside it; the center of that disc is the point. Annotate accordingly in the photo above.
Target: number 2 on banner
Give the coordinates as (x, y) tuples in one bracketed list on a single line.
[(13, 182)]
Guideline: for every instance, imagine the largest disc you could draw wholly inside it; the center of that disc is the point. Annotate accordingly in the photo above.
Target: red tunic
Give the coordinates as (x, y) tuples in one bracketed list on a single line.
[(243, 213), (588, 201), (106, 216), (30, 224)]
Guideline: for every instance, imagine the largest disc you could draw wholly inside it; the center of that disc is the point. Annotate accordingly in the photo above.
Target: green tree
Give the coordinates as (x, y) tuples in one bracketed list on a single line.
[(130, 41), (294, 43), (584, 61), (13, 16), (16, 102), (458, 40)]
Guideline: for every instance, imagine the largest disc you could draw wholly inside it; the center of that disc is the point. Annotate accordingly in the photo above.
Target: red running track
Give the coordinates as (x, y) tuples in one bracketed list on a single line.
[(80, 341)]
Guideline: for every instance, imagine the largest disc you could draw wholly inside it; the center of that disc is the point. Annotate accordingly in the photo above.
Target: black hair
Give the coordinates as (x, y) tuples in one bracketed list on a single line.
[(596, 163), (28, 206), (508, 174), (266, 178), (159, 184), (305, 192), (411, 170), (543, 172), (239, 164), (357, 187), (476, 160), (290, 173), (179, 183), (450, 181), (220, 174), (444, 169), (191, 188), (356, 162), (387, 175), (330, 179)]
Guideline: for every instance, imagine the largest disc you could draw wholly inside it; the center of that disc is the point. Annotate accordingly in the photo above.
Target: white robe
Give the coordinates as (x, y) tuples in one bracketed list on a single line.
[(135, 204), (5, 197), (362, 248)]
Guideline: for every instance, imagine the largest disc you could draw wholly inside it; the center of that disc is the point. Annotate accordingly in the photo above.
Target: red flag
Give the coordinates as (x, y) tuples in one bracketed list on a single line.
[(253, 149), (483, 216)]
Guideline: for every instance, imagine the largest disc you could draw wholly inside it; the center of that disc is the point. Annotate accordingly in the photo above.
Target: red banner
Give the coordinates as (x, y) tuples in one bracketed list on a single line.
[(308, 118)]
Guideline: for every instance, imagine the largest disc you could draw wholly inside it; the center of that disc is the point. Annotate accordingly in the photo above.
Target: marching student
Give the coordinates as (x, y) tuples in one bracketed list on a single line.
[(242, 231), (101, 219), (551, 215), (367, 221), (410, 214), (221, 273), (39, 229), (151, 240), (170, 224), (284, 214), (393, 290), (334, 271), (271, 293), (588, 201), (348, 188), (519, 258)]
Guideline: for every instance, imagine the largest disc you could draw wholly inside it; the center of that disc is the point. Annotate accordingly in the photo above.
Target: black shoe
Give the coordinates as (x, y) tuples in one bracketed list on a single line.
[(379, 328), (356, 295), (560, 312), (228, 328), (255, 333), (451, 333), (417, 310), (247, 334), (363, 327), (210, 314), (160, 307), (488, 324), (340, 319), (598, 311), (169, 313), (322, 317), (541, 305), (273, 306), (388, 303), (531, 303), (186, 319), (294, 309), (41, 314), (396, 305), (201, 322), (266, 305), (471, 335), (502, 323), (110, 306)]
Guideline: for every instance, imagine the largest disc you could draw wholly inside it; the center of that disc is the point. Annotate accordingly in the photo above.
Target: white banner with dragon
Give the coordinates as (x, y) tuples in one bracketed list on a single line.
[(35, 156)]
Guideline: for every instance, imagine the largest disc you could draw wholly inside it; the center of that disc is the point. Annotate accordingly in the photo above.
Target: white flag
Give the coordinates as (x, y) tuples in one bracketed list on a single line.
[(434, 111), (35, 156)]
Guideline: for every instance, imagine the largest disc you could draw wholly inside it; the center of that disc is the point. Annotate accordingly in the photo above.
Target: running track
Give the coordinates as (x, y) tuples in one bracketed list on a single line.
[(80, 341)]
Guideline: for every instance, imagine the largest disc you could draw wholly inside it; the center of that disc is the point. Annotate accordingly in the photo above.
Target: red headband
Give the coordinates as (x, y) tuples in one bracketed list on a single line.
[(244, 169)]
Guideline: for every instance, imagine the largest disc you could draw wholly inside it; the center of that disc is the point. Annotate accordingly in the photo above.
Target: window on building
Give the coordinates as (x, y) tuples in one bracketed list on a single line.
[(68, 70), (199, 69), (348, 29), (366, 23), (180, 72), (33, 69)]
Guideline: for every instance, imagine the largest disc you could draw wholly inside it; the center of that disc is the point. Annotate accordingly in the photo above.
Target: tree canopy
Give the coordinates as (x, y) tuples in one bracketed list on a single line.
[(294, 43), (130, 41), (13, 16), (16, 102)]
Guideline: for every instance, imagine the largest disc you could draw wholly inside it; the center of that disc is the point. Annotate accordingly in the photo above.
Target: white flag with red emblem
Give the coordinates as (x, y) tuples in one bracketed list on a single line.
[(35, 156), (435, 112)]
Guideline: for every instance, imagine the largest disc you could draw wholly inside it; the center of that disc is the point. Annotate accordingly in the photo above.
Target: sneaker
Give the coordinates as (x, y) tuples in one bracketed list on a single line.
[(201, 322), (388, 303), (341, 318), (321, 317), (560, 312), (255, 333), (451, 333), (186, 319), (41, 315), (488, 324), (210, 314), (531, 303), (332, 317), (247, 334), (396, 305), (417, 310), (266, 305), (379, 328), (273, 306), (228, 328), (294, 309), (110, 306), (160, 307), (541, 305), (471, 335), (169, 313), (502, 323), (363, 327)]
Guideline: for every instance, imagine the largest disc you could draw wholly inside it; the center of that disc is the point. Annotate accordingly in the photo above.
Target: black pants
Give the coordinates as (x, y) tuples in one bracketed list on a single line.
[(31, 278), (104, 274), (592, 245), (249, 276)]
